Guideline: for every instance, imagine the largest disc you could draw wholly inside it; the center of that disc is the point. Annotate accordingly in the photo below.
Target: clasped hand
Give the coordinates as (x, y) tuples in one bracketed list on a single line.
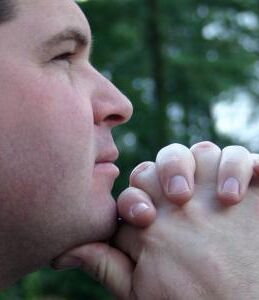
[(184, 237)]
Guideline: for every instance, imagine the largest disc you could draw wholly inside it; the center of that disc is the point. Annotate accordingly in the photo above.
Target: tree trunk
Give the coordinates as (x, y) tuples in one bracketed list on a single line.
[(157, 70)]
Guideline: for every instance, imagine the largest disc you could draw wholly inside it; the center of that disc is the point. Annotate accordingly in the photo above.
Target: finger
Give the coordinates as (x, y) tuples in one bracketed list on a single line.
[(207, 158), (106, 264), (130, 240), (235, 173), (145, 178), (176, 167), (136, 207)]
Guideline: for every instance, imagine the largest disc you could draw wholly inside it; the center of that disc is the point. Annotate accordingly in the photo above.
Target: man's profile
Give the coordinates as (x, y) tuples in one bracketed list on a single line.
[(57, 170), (57, 150)]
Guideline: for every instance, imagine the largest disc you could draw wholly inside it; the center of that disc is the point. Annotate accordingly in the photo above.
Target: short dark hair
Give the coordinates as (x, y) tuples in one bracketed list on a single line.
[(7, 10)]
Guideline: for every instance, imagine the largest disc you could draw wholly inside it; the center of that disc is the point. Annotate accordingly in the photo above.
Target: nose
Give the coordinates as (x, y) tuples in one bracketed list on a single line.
[(110, 106)]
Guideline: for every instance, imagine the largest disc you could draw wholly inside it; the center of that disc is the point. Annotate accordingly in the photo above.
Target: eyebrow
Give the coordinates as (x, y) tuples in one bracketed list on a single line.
[(69, 34)]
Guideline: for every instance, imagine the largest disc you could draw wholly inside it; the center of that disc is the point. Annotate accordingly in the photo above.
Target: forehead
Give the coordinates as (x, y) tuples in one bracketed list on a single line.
[(42, 18)]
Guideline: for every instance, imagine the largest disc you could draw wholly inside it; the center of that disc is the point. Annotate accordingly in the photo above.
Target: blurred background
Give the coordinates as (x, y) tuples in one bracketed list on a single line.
[(191, 69)]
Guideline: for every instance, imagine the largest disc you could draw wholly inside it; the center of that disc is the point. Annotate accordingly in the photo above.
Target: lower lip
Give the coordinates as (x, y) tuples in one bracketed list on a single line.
[(107, 168)]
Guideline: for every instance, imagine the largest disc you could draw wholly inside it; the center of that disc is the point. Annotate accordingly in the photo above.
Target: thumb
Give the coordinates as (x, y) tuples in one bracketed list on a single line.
[(105, 263)]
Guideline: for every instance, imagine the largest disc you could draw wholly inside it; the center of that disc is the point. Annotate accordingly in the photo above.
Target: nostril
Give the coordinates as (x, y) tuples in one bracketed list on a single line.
[(114, 119)]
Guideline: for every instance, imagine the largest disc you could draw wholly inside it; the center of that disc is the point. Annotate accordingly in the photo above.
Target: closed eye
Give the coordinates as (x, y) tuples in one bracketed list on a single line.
[(64, 56)]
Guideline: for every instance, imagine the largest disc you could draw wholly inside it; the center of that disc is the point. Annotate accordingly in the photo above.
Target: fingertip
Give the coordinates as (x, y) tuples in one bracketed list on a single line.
[(229, 199), (141, 215), (231, 191), (177, 185), (235, 173), (180, 199), (176, 168), (136, 208), (139, 209), (179, 190)]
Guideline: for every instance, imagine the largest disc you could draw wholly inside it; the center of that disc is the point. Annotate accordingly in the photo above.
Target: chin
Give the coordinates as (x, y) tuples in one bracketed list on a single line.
[(96, 222), (105, 224), (98, 228)]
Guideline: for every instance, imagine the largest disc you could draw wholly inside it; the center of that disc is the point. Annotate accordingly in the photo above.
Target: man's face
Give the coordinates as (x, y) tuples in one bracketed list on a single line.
[(56, 147)]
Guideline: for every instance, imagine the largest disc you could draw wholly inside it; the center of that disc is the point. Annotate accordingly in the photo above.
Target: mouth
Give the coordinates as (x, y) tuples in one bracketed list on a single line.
[(108, 169), (104, 163)]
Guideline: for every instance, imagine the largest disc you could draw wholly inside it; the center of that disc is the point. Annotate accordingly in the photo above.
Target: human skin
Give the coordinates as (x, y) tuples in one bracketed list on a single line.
[(201, 250), (56, 148), (213, 247)]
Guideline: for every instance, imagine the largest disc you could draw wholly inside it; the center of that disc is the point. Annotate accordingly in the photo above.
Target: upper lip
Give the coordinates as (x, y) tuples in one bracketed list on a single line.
[(109, 155)]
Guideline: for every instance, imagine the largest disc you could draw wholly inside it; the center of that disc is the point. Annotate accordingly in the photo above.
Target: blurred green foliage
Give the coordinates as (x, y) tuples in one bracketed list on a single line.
[(172, 59)]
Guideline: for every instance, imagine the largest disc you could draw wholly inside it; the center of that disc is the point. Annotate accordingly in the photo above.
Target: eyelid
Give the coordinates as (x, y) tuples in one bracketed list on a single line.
[(64, 55), (70, 57), (70, 52)]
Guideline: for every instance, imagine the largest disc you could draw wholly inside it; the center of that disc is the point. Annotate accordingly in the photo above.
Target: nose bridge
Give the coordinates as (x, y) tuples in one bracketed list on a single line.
[(108, 102)]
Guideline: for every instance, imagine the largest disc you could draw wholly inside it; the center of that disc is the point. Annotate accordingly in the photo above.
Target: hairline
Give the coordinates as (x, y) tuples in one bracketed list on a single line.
[(10, 12)]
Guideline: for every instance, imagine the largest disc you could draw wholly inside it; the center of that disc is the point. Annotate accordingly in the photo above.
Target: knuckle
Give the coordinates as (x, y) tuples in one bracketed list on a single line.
[(124, 195), (172, 166), (236, 164), (231, 163), (205, 145), (129, 194), (126, 199), (177, 166), (101, 270), (173, 149), (174, 157), (236, 150), (236, 157)]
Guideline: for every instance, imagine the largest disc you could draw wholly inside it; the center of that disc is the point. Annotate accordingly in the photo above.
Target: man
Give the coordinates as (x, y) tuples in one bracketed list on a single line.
[(56, 147)]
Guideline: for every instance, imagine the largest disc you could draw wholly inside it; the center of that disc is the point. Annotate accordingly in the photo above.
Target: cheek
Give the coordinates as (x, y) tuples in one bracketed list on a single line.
[(47, 144), (47, 156)]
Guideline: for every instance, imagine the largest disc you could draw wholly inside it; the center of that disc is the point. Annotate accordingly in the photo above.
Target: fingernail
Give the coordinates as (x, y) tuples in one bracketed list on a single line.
[(231, 185), (178, 185), (138, 209), (67, 262)]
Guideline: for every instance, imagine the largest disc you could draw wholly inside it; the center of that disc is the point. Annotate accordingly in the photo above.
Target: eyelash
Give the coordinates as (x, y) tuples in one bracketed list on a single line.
[(64, 56)]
